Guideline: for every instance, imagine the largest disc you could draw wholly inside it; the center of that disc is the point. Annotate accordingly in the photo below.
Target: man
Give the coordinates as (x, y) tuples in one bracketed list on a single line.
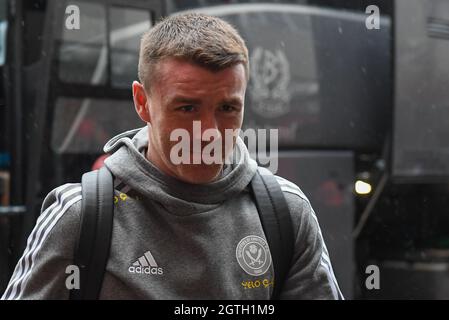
[(177, 226)]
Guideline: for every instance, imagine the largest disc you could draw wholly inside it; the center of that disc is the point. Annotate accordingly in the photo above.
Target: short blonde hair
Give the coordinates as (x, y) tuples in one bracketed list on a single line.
[(198, 38)]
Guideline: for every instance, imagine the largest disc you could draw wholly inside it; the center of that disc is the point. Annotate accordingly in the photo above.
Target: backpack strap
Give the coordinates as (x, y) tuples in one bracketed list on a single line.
[(94, 240), (277, 225)]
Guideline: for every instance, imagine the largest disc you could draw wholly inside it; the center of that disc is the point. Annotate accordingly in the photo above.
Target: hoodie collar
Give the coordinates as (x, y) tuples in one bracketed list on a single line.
[(129, 164)]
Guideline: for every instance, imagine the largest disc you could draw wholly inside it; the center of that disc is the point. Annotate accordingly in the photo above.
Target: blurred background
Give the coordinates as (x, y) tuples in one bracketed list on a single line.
[(362, 108)]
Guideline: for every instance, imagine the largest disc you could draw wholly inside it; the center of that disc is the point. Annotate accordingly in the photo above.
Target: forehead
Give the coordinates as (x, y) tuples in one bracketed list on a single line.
[(180, 76)]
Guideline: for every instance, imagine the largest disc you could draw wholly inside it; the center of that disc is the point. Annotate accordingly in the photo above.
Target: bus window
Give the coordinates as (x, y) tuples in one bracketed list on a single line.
[(109, 39), (311, 68), (83, 55), (127, 26)]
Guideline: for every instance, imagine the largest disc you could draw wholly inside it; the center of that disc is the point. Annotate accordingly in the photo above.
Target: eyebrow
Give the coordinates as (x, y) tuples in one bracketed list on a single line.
[(182, 99), (233, 101)]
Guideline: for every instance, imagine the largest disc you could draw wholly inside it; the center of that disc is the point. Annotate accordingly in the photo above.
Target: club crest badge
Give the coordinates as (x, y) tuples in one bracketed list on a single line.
[(253, 255), (270, 82)]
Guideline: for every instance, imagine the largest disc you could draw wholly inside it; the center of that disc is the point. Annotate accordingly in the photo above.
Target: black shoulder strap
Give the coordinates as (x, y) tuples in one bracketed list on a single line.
[(276, 222), (94, 240)]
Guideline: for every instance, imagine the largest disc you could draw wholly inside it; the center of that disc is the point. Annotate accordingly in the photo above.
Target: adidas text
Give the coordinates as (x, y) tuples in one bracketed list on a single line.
[(146, 270)]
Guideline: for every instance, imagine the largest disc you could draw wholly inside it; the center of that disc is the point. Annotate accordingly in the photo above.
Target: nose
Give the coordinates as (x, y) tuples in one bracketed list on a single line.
[(208, 124)]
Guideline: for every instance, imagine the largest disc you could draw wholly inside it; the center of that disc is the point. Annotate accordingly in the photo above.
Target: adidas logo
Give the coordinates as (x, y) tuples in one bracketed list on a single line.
[(146, 265)]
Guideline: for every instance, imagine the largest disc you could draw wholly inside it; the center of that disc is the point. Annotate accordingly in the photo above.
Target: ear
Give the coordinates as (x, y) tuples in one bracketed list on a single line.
[(141, 102)]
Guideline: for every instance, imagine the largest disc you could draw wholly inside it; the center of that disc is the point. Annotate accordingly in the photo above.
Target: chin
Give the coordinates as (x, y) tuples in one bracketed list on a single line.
[(199, 174)]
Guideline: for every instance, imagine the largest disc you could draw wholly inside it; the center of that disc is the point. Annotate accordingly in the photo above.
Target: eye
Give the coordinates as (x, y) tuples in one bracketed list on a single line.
[(186, 108), (227, 108)]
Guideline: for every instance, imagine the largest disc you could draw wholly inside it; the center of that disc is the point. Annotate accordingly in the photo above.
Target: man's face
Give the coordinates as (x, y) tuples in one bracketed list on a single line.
[(182, 93)]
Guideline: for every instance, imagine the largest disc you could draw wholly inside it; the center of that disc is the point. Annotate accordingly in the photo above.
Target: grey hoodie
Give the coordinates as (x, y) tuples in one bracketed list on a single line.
[(174, 240)]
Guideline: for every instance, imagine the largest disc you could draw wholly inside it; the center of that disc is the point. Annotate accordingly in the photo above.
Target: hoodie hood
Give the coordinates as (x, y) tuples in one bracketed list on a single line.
[(129, 164)]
